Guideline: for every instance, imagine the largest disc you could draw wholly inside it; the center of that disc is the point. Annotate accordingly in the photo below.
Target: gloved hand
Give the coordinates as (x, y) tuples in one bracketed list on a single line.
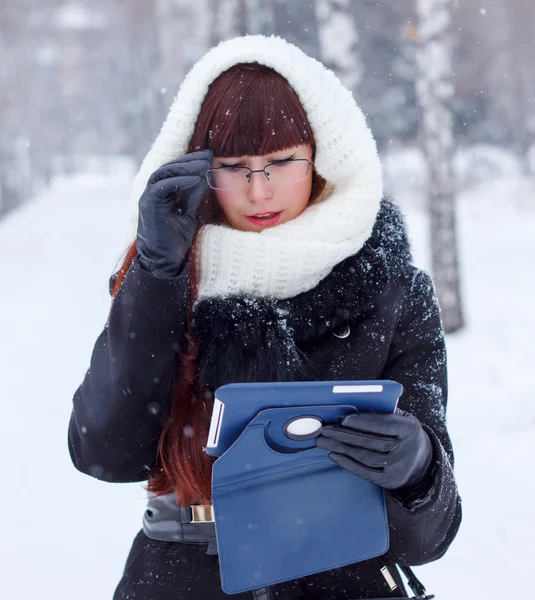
[(166, 225), (391, 450)]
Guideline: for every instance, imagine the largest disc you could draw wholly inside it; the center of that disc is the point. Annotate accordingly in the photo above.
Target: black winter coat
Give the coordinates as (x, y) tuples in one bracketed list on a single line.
[(391, 313)]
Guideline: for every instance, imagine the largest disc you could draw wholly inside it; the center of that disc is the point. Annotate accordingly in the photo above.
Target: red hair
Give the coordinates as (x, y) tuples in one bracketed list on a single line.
[(249, 110)]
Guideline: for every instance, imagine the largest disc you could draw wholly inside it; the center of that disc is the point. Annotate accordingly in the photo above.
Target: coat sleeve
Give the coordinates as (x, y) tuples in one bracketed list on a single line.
[(121, 406), (422, 531)]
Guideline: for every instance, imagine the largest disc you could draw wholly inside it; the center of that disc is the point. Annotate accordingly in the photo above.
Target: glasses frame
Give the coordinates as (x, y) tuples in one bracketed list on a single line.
[(266, 174)]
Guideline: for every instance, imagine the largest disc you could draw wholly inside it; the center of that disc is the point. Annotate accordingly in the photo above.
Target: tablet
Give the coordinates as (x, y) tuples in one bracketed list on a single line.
[(236, 404)]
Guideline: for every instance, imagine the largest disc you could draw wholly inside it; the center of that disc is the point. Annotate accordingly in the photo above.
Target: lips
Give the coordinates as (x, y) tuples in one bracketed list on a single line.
[(264, 219)]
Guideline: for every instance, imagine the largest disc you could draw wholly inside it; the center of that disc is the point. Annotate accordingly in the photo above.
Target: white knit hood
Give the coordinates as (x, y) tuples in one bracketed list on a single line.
[(346, 156)]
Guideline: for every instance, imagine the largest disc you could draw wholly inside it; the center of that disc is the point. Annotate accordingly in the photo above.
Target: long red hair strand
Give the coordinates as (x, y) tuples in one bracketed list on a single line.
[(258, 102)]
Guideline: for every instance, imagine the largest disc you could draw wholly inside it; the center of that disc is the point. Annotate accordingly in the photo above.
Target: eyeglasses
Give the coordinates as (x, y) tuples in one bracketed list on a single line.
[(283, 172)]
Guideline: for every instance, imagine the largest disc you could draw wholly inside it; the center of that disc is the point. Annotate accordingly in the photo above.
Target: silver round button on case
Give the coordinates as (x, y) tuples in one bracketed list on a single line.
[(304, 427)]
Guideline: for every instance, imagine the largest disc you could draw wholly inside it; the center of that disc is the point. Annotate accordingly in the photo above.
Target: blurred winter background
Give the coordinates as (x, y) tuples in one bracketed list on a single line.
[(449, 90)]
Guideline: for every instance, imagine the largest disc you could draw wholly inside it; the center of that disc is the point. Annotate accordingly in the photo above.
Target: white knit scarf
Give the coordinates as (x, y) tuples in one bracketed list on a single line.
[(286, 260)]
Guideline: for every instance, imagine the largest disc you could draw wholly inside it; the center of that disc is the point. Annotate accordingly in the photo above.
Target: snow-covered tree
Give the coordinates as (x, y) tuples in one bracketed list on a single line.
[(259, 16), (185, 31), (435, 92), (339, 40), (386, 91), (296, 21), (519, 76)]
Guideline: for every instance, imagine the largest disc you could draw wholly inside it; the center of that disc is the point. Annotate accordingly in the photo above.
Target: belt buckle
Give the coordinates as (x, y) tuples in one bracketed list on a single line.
[(202, 513)]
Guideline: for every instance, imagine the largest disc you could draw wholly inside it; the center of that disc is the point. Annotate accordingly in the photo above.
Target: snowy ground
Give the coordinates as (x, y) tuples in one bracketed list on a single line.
[(66, 536)]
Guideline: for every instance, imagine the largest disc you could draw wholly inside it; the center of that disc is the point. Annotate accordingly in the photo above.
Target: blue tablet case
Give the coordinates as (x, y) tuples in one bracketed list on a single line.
[(283, 509), (236, 404)]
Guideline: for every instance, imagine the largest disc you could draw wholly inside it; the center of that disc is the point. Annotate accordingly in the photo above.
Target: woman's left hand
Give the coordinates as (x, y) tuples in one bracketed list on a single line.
[(391, 450)]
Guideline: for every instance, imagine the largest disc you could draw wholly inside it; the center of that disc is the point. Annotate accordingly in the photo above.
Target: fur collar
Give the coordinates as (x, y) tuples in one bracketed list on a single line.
[(244, 339)]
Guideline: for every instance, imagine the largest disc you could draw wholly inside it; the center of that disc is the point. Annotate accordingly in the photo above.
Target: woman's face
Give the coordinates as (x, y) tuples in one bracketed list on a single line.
[(261, 204)]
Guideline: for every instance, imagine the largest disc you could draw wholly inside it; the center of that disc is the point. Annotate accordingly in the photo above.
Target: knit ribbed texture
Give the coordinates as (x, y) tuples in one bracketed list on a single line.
[(291, 258)]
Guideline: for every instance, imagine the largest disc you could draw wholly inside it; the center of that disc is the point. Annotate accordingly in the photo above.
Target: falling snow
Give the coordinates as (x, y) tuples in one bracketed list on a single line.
[(57, 302)]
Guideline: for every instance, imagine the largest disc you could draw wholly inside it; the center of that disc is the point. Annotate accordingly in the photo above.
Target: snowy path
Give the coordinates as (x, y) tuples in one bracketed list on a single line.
[(66, 536)]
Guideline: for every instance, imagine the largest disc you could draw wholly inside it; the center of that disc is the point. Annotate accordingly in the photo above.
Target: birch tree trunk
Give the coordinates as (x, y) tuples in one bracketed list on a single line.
[(227, 20), (338, 40), (184, 31), (296, 22), (435, 92), (143, 108), (521, 48), (259, 17), (18, 106)]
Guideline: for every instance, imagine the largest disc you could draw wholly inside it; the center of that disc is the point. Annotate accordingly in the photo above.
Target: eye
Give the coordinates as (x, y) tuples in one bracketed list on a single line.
[(282, 162), (231, 168)]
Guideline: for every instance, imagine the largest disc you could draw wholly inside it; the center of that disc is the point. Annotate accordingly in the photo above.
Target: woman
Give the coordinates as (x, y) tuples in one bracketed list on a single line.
[(265, 252)]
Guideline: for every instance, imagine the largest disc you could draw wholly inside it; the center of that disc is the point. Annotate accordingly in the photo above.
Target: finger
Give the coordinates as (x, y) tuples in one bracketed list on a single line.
[(387, 425), (166, 187), (367, 458), (355, 467), (362, 440), (205, 155), (191, 199), (195, 167)]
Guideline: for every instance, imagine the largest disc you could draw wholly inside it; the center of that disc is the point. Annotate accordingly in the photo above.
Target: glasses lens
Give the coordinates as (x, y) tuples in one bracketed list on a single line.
[(228, 178), (292, 171)]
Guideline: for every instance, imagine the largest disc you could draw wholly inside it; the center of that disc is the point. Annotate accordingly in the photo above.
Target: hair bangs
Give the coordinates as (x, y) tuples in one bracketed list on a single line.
[(250, 110)]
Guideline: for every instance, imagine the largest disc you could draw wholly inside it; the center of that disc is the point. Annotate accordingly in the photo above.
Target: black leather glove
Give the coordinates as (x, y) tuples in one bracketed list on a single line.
[(166, 225), (391, 450)]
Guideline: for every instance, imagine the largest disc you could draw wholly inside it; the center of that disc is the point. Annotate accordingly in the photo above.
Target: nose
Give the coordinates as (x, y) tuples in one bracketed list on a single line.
[(259, 188)]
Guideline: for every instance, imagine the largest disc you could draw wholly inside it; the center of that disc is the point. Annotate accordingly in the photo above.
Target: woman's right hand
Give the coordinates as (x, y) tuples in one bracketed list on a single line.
[(167, 224)]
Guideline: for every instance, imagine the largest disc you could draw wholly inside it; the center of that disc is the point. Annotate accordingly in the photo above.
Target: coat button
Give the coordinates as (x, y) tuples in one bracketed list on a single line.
[(342, 332)]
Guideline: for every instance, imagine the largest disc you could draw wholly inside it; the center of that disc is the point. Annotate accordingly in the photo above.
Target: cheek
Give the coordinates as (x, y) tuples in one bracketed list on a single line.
[(222, 196), (301, 194), (226, 200)]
